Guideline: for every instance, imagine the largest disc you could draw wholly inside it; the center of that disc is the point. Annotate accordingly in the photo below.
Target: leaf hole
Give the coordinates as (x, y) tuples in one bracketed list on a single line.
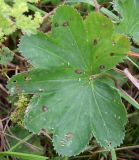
[(14, 81)]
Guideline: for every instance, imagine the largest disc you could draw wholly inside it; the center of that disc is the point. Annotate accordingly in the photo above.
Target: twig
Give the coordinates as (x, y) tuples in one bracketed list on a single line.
[(118, 149), (104, 150), (14, 137), (131, 78), (119, 71), (45, 18), (44, 132), (133, 54), (97, 6), (132, 114), (48, 15), (3, 89)]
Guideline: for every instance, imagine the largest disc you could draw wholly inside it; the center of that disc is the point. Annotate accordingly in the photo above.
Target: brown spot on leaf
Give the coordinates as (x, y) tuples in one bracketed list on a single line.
[(109, 145), (27, 78), (102, 67), (56, 24), (95, 41), (66, 24), (112, 54), (45, 109), (68, 136), (77, 71), (96, 57)]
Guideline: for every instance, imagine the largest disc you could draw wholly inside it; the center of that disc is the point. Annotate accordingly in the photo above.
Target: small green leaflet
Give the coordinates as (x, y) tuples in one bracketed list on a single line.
[(69, 100), (129, 25), (5, 56)]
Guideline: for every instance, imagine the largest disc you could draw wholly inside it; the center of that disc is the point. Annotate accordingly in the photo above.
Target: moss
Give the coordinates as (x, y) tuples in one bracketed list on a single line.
[(17, 115)]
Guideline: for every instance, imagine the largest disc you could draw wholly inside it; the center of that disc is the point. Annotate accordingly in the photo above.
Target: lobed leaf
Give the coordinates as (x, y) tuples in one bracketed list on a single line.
[(77, 111), (92, 47), (128, 9), (69, 100)]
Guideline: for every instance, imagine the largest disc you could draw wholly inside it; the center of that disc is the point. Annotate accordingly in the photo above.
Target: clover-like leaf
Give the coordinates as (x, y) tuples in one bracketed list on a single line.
[(70, 101), (129, 25)]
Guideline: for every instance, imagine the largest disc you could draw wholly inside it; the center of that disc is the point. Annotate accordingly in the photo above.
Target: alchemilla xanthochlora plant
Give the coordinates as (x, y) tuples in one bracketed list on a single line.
[(12, 17), (71, 100)]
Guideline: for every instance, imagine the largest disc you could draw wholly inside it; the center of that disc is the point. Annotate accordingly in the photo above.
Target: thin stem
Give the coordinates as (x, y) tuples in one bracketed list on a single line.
[(35, 9), (14, 137), (131, 78), (104, 150), (113, 154), (133, 54), (66, 158), (97, 6), (133, 62), (20, 142)]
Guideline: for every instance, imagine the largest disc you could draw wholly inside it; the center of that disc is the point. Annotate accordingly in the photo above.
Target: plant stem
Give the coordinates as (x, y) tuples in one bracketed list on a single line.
[(133, 54), (21, 142), (97, 6), (133, 62), (35, 9), (66, 158), (24, 156), (131, 78), (113, 154)]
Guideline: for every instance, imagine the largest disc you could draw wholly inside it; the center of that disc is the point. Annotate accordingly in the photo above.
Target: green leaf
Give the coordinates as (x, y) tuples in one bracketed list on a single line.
[(35, 81), (75, 112), (5, 56), (108, 49), (129, 25), (70, 101), (57, 109), (23, 156), (92, 47)]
